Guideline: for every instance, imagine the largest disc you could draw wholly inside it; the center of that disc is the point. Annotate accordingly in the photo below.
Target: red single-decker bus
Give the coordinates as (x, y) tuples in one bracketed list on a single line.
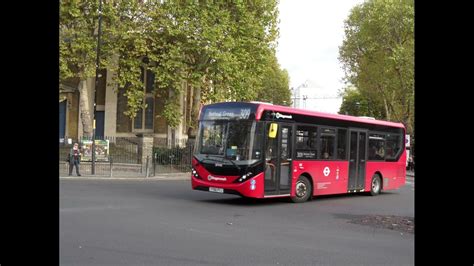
[(262, 150)]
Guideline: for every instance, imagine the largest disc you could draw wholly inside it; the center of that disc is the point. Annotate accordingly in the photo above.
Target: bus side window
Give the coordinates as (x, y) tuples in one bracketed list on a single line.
[(341, 144), (328, 141)]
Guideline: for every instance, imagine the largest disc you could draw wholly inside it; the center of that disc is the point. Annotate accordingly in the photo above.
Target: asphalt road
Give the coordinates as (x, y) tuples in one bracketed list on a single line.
[(164, 222)]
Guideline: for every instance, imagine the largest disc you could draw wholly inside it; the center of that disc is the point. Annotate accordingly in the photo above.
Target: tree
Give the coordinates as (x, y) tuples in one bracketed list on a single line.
[(354, 103), (122, 46), (378, 56), (219, 50), (77, 49), (276, 84), (125, 39)]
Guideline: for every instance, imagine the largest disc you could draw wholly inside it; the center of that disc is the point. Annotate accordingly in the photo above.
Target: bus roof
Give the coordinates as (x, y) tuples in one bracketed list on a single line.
[(262, 107)]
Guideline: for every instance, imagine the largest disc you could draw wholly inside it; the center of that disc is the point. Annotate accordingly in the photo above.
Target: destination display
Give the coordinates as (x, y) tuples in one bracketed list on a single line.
[(228, 113)]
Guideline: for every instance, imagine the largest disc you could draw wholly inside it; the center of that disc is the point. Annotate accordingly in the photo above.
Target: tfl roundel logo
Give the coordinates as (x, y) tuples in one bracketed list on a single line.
[(326, 171)]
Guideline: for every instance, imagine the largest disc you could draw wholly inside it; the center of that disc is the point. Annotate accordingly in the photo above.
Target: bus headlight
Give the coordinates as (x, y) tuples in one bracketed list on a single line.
[(243, 177), (195, 174)]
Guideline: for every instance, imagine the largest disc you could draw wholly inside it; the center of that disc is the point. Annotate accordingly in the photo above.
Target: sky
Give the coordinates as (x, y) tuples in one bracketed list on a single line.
[(311, 32)]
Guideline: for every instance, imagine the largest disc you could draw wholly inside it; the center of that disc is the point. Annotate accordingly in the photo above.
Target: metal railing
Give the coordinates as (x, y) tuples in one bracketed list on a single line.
[(124, 158), (174, 159)]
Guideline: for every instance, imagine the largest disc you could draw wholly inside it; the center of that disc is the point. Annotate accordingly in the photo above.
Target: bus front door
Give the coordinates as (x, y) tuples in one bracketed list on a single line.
[(357, 159), (278, 158)]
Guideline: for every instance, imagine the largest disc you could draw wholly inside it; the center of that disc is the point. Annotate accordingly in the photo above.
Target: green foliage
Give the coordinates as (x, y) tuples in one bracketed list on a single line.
[(275, 85), (77, 42), (354, 103), (172, 114), (378, 55), (220, 48)]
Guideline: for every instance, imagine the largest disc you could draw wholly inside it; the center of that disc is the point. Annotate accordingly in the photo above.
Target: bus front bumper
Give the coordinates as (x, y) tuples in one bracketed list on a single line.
[(252, 188)]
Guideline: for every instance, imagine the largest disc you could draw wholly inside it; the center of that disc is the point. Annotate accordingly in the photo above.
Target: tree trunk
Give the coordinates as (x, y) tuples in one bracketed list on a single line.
[(409, 116), (387, 111), (85, 112), (395, 112), (196, 109), (189, 108)]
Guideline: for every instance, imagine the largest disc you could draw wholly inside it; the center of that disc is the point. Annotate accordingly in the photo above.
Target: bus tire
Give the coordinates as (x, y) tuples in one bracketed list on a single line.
[(303, 190), (375, 185)]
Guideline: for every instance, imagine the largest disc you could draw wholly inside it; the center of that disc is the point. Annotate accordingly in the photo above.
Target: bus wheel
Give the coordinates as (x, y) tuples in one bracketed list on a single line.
[(375, 185), (303, 190)]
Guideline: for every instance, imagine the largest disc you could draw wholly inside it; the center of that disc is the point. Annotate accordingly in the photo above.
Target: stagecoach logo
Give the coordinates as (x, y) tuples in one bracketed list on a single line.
[(326, 171), (278, 115), (210, 177)]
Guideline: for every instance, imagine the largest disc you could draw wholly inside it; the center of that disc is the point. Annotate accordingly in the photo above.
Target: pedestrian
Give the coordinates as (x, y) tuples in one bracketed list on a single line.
[(74, 159), (410, 163)]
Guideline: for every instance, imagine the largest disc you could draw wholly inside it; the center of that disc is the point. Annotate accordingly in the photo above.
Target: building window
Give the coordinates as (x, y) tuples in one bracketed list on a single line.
[(328, 143), (150, 81), (138, 120), (306, 140), (145, 117), (123, 121), (149, 113)]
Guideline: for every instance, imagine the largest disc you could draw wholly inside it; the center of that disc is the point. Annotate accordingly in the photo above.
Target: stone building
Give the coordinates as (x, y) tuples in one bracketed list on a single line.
[(111, 103)]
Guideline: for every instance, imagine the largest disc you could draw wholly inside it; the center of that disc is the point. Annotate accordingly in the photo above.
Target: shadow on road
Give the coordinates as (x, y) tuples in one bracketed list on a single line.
[(285, 200), (227, 199), (352, 195), (248, 201)]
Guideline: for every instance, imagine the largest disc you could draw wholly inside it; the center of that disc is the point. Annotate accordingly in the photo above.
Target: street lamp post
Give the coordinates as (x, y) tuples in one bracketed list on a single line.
[(294, 96), (305, 97), (97, 75)]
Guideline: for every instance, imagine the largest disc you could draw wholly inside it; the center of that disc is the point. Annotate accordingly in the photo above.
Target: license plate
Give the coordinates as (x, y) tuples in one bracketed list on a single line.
[(216, 189)]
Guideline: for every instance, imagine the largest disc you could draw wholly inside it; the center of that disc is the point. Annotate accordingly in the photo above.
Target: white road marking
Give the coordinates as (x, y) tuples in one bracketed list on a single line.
[(94, 208)]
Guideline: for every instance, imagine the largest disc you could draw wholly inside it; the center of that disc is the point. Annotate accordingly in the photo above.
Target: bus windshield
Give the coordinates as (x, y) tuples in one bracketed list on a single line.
[(232, 140)]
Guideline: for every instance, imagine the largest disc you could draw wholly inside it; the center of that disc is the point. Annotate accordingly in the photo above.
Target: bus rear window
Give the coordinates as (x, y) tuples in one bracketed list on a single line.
[(393, 146), (376, 147)]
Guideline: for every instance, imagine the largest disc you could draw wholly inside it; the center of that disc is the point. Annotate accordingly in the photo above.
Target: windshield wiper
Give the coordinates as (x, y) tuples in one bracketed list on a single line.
[(210, 159), (231, 162), (219, 161)]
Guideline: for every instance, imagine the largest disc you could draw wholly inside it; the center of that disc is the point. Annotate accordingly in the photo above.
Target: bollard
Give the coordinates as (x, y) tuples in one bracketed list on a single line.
[(146, 171), (111, 174), (153, 163)]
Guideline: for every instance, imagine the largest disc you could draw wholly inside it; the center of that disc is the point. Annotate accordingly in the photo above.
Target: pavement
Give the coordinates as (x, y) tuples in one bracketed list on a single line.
[(173, 176)]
